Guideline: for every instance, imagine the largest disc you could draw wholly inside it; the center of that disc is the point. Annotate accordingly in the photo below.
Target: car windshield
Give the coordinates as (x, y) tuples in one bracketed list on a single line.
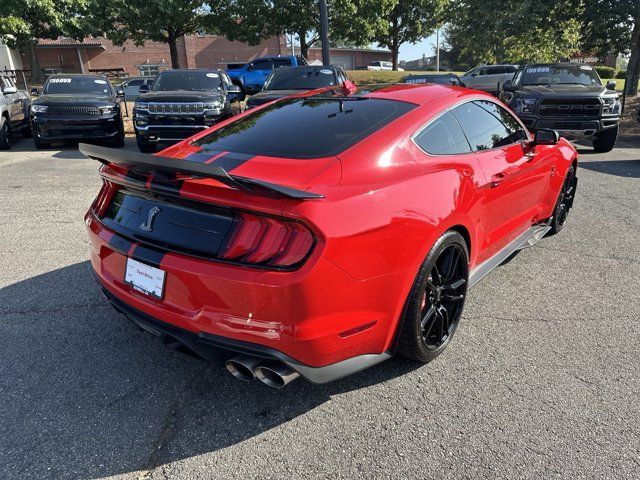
[(441, 79), (77, 85), (311, 127), (560, 75), (300, 78), (186, 80)]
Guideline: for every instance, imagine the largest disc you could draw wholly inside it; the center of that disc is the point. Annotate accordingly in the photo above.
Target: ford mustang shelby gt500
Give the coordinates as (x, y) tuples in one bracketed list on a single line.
[(320, 234)]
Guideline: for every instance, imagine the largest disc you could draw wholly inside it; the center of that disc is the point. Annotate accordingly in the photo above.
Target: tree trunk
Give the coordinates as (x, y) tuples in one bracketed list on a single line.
[(304, 46), (394, 55), (37, 77), (633, 70), (395, 41), (173, 51)]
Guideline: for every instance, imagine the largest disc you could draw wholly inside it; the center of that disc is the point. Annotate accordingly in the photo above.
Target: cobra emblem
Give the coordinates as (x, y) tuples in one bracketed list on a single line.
[(148, 225)]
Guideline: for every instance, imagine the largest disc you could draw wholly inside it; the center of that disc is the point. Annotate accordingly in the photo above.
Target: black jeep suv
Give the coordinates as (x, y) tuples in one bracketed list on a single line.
[(179, 104), (76, 107), (568, 98)]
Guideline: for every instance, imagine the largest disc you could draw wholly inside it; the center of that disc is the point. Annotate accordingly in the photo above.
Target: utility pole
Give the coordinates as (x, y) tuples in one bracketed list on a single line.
[(324, 32), (437, 50), (293, 46)]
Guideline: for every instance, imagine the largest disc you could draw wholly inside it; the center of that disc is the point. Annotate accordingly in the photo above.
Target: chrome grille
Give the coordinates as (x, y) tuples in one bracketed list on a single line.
[(174, 108), (73, 110)]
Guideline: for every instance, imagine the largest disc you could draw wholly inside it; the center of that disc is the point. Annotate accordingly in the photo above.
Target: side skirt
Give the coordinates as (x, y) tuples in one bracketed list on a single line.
[(525, 240)]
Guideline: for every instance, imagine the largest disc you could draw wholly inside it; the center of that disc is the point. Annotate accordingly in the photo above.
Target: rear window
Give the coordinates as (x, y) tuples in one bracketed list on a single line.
[(306, 128)]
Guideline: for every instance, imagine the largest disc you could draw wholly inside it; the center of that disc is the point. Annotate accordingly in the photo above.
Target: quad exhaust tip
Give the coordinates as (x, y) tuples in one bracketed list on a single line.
[(273, 373), (243, 367)]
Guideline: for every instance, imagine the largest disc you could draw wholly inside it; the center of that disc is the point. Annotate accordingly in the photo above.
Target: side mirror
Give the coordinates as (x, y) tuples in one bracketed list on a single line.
[(507, 86), (546, 137), (233, 89), (35, 92), (611, 85), (120, 92), (8, 90), (143, 89)]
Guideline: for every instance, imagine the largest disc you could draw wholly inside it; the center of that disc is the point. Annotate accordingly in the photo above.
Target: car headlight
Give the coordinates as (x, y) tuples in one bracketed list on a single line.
[(109, 109), (213, 105), (39, 108), (141, 120), (611, 105), (525, 105), (140, 106)]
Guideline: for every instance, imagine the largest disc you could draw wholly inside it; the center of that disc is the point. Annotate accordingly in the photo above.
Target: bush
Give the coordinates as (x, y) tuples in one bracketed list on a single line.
[(622, 74), (605, 72)]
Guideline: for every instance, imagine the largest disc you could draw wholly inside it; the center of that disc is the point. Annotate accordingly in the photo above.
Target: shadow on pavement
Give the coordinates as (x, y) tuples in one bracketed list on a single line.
[(620, 168), (84, 394)]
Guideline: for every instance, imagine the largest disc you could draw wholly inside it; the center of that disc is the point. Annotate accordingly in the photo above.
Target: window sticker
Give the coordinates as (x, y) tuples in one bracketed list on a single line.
[(60, 80), (586, 67), (326, 72), (212, 75), (538, 70), (100, 82)]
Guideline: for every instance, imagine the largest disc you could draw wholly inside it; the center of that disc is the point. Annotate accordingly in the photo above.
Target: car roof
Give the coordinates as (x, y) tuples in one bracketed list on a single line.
[(190, 70), (419, 94)]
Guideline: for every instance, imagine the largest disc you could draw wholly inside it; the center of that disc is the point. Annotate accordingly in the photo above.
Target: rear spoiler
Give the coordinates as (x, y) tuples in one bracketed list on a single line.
[(145, 163)]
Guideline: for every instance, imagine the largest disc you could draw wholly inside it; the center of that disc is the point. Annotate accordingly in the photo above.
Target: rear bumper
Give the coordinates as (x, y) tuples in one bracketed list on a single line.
[(316, 316), (217, 349)]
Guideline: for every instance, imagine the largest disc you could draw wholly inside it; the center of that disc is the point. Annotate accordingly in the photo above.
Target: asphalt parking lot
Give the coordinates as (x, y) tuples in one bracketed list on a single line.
[(541, 381)]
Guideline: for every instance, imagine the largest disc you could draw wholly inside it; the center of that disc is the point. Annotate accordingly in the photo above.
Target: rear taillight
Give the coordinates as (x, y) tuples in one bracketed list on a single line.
[(103, 199), (268, 241)]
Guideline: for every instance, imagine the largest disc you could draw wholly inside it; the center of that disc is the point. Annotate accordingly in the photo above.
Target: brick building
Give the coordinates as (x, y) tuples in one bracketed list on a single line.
[(195, 51)]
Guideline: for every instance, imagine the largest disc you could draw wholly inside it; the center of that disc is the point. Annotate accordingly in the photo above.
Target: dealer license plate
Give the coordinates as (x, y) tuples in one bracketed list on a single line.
[(145, 278)]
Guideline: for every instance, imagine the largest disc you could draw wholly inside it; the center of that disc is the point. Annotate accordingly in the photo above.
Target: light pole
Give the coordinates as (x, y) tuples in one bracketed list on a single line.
[(324, 32)]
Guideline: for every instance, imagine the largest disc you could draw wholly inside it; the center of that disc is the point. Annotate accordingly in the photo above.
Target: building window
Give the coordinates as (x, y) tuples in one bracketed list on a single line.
[(149, 70), (201, 33)]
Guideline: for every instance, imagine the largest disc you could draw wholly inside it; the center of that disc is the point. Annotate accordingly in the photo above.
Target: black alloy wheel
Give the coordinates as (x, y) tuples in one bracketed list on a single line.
[(5, 135), (436, 301), (443, 297), (564, 202)]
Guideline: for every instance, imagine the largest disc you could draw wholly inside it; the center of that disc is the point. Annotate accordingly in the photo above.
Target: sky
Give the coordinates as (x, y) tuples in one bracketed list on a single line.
[(410, 51)]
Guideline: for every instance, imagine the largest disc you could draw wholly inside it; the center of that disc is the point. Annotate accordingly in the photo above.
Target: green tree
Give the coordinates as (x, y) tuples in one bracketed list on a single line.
[(352, 22), (23, 22), (409, 21), (164, 21), (492, 31), (613, 26)]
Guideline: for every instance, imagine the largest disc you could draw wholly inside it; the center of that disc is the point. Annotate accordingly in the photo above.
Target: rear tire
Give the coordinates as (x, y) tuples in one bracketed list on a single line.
[(5, 135), (436, 300), (118, 140), (605, 141), (145, 147), (564, 202)]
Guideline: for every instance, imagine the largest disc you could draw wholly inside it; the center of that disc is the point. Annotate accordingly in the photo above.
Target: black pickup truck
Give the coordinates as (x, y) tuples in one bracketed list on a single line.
[(568, 98), (179, 104)]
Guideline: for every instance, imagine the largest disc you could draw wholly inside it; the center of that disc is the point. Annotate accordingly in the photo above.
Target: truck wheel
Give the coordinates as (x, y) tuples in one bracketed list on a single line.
[(436, 300), (5, 135), (40, 144), (605, 140), (145, 147)]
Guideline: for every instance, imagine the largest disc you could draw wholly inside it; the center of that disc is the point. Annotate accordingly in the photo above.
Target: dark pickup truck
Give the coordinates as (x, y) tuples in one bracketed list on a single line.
[(568, 98), (181, 103)]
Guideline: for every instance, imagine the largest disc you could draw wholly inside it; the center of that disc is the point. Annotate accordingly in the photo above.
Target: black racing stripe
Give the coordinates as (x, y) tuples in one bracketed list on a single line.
[(201, 157), (136, 177), (165, 187), (232, 160), (120, 243), (147, 255)]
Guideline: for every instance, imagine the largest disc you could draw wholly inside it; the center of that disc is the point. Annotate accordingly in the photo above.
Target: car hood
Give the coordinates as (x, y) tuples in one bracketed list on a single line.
[(76, 99), (269, 95), (181, 96), (562, 90)]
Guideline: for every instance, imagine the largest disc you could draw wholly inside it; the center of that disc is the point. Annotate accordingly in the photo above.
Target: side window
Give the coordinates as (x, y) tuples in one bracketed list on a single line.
[(483, 129), (443, 136), (262, 65), (134, 83), (516, 78), (516, 132), (281, 62), (226, 80)]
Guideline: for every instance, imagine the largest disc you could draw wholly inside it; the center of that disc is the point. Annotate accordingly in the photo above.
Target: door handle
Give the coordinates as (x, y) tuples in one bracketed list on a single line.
[(497, 179)]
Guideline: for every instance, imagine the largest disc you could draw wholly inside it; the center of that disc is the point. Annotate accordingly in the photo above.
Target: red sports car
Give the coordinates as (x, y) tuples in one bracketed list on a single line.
[(321, 234)]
